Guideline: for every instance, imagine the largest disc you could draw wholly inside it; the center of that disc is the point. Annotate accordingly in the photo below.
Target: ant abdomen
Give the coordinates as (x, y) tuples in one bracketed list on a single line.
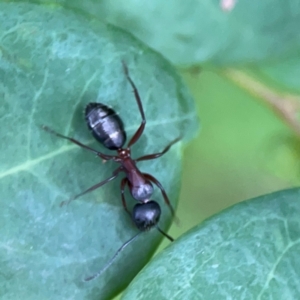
[(106, 126), (146, 215)]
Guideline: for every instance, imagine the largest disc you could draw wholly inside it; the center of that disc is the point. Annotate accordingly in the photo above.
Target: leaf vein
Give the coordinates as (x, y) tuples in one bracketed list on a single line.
[(272, 271), (32, 162)]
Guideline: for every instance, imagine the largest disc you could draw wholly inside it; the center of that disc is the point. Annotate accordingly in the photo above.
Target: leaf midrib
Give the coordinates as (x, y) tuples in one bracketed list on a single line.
[(30, 163)]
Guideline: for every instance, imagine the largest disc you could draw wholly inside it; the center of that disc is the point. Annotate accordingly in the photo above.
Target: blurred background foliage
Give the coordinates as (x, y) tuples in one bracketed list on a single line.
[(243, 150)]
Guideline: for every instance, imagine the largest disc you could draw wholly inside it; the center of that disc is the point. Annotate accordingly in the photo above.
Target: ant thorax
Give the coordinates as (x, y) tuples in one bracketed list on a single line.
[(142, 192), (124, 153)]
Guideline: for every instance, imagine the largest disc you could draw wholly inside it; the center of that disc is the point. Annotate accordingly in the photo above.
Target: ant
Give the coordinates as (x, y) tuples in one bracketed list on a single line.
[(107, 128)]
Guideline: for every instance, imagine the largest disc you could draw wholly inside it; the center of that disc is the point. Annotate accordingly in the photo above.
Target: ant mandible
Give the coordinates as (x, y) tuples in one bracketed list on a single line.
[(107, 128)]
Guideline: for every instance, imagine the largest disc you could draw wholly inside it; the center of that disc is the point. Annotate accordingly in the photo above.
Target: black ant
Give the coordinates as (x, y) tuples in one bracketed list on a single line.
[(107, 128)]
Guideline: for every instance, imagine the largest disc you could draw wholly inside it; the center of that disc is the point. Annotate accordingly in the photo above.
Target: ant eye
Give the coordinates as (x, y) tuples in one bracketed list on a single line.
[(146, 215)]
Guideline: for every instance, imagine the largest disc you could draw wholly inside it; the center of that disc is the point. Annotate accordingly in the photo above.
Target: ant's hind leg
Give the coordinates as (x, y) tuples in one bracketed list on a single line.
[(140, 130), (102, 155), (159, 154)]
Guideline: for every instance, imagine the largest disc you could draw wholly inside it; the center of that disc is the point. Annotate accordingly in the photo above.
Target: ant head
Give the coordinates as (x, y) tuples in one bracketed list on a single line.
[(146, 215)]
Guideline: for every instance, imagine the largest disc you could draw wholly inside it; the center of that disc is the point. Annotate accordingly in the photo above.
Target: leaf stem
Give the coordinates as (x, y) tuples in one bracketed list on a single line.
[(286, 106)]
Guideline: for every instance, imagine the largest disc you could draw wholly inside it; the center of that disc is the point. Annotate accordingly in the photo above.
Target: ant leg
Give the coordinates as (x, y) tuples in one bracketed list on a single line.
[(159, 154), (102, 155), (123, 184), (92, 188), (166, 198), (140, 130)]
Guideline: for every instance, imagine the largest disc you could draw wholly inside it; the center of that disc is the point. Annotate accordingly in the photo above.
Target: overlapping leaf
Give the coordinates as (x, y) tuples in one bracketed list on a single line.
[(249, 251)]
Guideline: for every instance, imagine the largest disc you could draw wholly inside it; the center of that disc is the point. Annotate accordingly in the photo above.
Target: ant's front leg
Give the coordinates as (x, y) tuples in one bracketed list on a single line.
[(164, 194), (123, 184)]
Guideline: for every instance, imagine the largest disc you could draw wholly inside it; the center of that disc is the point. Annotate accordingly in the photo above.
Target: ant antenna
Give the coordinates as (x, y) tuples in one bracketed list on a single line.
[(121, 249), (113, 258), (165, 234)]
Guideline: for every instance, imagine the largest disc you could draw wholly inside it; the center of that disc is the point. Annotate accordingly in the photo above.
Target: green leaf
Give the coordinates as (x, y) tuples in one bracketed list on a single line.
[(52, 63), (249, 251), (192, 32)]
